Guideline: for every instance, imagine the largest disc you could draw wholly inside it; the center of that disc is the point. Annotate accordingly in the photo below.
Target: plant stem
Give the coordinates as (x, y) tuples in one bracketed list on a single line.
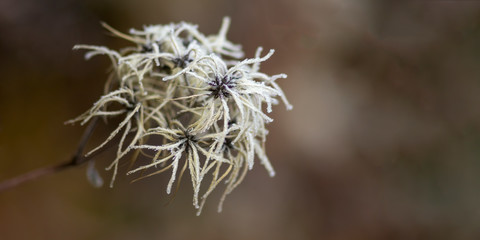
[(76, 160)]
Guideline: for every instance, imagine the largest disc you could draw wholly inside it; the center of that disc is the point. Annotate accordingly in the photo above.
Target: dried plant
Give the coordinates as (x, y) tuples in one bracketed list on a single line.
[(185, 101)]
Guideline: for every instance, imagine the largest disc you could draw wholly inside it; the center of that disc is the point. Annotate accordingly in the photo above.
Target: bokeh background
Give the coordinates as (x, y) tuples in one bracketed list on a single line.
[(383, 141)]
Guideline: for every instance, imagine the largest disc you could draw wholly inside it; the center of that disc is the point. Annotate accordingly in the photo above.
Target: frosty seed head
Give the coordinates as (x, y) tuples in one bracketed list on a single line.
[(195, 96)]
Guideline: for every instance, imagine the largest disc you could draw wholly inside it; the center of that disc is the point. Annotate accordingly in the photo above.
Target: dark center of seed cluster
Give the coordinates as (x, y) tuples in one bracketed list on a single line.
[(219, 86)]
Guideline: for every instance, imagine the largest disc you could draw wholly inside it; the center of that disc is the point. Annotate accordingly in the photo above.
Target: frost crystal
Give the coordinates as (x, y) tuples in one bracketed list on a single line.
[(186, 101)]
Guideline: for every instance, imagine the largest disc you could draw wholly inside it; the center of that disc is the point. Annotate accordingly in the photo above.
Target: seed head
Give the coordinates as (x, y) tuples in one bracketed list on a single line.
[(187, 102)]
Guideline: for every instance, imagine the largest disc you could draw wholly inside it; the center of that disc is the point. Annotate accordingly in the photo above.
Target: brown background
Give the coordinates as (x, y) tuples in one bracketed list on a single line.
[(383, 141)]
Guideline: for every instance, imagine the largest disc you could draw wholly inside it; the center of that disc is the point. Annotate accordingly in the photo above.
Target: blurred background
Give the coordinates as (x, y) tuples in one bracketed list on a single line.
[(383, 141)]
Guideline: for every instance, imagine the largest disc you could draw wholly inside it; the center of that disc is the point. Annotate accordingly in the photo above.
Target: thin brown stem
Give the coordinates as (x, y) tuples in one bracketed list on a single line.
[(76, 160), (12, 182)]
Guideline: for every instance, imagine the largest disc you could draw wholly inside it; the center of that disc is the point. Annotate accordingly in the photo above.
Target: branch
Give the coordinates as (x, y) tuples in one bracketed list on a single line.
[(76, 160)]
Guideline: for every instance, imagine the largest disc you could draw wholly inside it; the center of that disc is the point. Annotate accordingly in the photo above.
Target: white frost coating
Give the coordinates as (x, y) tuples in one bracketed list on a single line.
[(176, 158), (251, 151), (180, 97), (264, 159)]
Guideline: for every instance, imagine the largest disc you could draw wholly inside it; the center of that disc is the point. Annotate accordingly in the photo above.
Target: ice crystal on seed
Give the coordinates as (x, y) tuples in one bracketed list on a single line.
[(186, 102)]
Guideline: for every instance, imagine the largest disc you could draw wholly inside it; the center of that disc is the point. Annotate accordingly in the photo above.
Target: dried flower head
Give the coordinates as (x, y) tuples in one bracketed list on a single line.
[(186, 101)]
